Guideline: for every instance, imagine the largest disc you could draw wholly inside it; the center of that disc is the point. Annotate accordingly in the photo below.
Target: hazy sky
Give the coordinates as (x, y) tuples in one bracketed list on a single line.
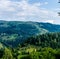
[(30, 10)]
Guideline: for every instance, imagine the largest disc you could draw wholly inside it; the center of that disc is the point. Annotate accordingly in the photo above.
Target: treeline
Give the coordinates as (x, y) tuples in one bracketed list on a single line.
[(30, 53), (45, 40)]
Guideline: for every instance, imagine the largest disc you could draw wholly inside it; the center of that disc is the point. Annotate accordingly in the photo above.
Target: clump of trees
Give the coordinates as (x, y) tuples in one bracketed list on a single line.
[(41, 53), (45, 40)]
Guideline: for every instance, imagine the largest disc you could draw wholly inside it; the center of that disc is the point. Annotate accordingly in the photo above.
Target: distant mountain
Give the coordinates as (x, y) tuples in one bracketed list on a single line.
[(22, 28), (16, 31), (27, 28)]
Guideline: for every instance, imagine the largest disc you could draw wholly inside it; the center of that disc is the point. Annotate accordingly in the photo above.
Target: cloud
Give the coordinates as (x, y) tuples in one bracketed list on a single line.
[(50, 21), (24, 11), (46, 3)]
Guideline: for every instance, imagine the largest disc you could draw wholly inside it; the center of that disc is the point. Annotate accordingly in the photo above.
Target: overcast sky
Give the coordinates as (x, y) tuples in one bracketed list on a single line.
[(30, 10)]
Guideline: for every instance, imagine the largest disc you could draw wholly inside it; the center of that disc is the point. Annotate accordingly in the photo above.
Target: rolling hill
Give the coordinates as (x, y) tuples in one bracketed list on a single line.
[(27, 28), (14, 32)]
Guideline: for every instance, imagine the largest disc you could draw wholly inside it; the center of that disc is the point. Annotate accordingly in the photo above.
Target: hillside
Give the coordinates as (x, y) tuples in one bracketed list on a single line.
[(44, 40), (45, 46), (27, 28), (29, 40), (17, 31)]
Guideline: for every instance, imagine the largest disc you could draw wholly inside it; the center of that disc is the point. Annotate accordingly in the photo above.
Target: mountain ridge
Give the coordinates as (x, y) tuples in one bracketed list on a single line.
[(16, 32)]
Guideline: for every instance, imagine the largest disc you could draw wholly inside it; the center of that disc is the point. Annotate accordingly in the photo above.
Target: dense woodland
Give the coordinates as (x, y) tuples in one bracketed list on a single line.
[(45, 40), (45, 46), (29, 40)]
